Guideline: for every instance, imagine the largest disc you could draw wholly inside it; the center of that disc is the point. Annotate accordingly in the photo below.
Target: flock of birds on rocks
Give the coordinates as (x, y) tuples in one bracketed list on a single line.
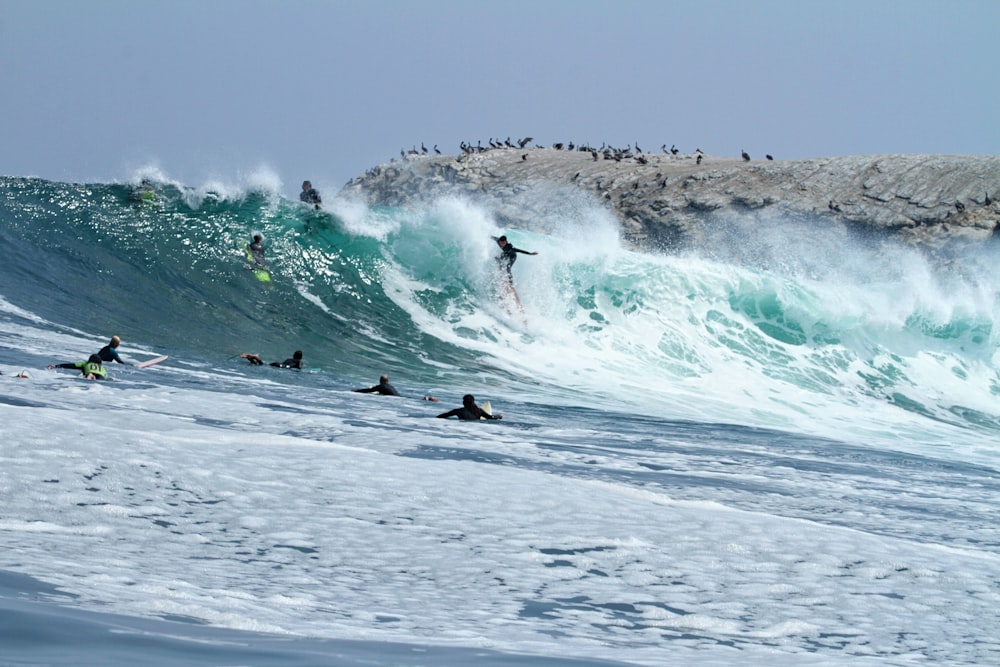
[(607, 152)]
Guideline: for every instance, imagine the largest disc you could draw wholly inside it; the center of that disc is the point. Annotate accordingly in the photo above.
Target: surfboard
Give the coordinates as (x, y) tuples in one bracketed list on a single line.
[(152, 362), (487, 408)]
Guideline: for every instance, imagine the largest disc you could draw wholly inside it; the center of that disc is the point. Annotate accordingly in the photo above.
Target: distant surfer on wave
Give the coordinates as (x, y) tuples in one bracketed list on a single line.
[(309, 195), (505, 262), (92, 368), (257, 251), (295, 362), (383, 388), (470, 411)]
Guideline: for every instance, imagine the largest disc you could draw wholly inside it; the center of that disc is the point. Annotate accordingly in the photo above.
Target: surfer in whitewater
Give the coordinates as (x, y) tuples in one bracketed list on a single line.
[(295, 361), (383, 388), (470, 411), (505, 262), (92, 368), (310, 195), (109, 352)]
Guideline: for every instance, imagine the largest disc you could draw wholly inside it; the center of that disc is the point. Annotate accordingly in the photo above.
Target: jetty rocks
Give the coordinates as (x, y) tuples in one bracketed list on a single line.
[(666, 200)]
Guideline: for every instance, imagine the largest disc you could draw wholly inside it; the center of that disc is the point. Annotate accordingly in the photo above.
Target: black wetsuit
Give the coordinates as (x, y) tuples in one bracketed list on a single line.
[(288, 363), (508, 255), (257, 250), (310, 196), (469, 414), (382, 388), (108, 353)]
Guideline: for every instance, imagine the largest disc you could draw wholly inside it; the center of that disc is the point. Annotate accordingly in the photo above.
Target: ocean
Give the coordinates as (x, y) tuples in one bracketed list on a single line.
[(781, 447)]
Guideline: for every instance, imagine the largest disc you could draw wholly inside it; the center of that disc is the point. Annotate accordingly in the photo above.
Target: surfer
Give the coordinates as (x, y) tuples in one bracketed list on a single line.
[(383, 388), (505, 262), (295, 362), (110, 351), (470, 411), (310, 195), (257, 251), (92, 368)]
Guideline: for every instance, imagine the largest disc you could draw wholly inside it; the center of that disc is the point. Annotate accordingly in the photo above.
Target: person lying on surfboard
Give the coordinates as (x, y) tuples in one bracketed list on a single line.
[(295, 362), (470, 411), (92, 368), (383, 388), (109, 352)]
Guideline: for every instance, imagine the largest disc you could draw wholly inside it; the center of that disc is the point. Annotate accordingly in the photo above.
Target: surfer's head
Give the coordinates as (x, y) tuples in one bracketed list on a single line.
[(469, 401), (115, 341), (502, 241), (297, 355), (95, 359)]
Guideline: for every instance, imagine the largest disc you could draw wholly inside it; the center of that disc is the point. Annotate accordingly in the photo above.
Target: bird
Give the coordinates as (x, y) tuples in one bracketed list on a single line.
[(557, 146), (674, 150), (593, 154), (698, 160), (833, 207), (524, 142), (423, 149), (746, 156), (436, 151), (524, 156), (960, 206), (769, 157)]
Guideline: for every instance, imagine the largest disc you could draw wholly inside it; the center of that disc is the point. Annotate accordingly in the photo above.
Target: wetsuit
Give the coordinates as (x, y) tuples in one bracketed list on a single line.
[(472, 413), (382, 388), (108, 353), (508, 255), (87, 368), (310, 196), (257, 250), (288, 363)]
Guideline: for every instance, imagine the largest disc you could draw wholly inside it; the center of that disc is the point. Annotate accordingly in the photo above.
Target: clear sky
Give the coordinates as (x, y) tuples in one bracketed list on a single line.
[(219, 89)]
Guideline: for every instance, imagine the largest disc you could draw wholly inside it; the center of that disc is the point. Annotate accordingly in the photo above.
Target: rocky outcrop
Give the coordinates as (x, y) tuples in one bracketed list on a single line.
[(663, 200)]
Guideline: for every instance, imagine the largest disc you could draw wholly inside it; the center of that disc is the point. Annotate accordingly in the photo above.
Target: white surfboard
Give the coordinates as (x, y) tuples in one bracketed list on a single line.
[(152, 362), (487, 408)]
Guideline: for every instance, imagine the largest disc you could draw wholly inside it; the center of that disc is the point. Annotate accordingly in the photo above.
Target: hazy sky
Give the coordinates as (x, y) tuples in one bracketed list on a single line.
[(222, 89)]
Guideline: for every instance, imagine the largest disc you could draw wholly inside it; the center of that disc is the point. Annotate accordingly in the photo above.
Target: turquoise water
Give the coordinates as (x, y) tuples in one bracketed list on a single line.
[(761, 332), (781, 448)]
